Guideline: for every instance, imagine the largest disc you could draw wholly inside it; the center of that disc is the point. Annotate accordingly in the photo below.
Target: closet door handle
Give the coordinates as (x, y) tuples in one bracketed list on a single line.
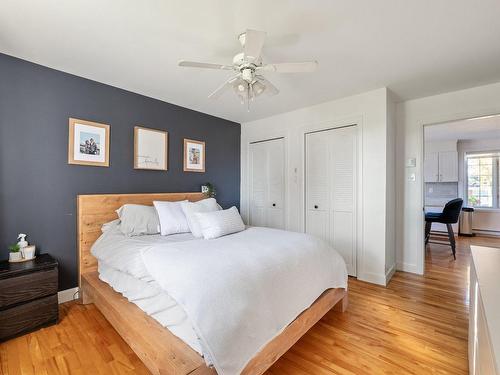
[(274, 204), (316, 206)]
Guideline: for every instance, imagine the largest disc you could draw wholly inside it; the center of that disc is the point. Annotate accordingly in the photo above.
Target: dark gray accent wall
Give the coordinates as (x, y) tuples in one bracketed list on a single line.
[(38, 188)]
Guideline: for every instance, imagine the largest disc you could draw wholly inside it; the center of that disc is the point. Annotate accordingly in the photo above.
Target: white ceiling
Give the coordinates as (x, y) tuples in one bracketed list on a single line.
[(472, 129), (416, 48)]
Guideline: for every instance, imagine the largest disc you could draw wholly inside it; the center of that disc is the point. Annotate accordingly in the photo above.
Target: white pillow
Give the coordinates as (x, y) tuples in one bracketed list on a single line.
[(111, 225), (219, 223), (137, 220), (172, 218), (190, 208)]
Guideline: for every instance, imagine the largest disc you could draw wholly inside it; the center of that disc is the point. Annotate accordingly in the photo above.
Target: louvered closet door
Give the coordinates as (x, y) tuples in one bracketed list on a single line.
[(258, 184), (342, 216), (267, 183), (318, 185), (331, 190), (276, 183)]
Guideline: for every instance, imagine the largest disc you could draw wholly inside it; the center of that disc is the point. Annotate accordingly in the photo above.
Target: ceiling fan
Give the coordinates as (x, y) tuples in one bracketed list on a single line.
[(249, 83)]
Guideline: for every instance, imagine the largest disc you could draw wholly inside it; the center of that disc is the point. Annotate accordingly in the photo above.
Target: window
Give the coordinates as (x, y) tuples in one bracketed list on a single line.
[(482, 179)]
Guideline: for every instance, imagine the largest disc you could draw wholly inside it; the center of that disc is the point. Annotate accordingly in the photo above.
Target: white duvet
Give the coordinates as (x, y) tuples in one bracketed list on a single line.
[(241, 290)]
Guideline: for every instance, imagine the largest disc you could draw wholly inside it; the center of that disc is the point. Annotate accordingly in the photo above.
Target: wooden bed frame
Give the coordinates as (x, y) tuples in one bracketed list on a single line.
[(160, 350)]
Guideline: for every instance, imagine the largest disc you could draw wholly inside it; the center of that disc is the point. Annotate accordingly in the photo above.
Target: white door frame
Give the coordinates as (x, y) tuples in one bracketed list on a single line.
[(436, 120)]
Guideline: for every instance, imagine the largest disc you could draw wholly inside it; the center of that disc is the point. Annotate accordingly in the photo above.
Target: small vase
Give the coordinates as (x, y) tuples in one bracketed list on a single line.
[(29, 252), (13, 257)]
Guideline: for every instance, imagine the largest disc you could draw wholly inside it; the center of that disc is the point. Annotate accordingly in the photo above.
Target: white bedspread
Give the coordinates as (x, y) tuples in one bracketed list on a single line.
[(121, 266), (241, 290)]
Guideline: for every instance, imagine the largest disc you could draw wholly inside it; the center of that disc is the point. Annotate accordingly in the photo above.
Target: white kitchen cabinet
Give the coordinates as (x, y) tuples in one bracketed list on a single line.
[(441, 166), (330, 177), (448, 166), (431, 167), (267, 184)]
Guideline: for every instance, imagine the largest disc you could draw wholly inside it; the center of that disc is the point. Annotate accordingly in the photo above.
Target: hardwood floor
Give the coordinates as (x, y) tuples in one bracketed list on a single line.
[(417, 325)]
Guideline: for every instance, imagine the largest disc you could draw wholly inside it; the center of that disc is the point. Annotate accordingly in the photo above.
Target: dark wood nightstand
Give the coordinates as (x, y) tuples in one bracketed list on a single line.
[(28, 295)]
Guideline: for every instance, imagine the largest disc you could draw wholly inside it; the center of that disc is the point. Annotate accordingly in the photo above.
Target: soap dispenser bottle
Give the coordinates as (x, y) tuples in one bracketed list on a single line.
[(22, 242)]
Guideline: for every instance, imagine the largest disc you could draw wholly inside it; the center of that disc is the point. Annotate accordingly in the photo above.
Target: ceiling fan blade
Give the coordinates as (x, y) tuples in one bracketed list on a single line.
[(299, 67), (254, 41), (270, 88), (223, 88), (195, 64)]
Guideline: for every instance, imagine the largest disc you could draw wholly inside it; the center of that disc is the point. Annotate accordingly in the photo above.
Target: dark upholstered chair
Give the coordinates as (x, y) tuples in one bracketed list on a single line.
[(450, 215)]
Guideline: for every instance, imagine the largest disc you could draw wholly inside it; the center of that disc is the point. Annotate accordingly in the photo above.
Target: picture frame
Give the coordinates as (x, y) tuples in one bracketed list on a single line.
[(150, 149), (194, 156), (88, 143)]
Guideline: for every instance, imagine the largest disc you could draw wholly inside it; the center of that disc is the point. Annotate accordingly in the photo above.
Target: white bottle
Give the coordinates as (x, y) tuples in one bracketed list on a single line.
[(22, 243), (22, 240)]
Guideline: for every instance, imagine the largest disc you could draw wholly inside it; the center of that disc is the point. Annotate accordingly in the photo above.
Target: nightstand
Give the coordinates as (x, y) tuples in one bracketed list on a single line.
[(28, 295)]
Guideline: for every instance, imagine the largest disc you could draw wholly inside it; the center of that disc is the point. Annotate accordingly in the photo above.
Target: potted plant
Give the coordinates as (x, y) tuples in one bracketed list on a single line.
[(210, 190), (14, 253)]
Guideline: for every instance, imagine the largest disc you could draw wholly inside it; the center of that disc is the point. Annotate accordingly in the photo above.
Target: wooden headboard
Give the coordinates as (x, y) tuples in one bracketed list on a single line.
[(95, 210)]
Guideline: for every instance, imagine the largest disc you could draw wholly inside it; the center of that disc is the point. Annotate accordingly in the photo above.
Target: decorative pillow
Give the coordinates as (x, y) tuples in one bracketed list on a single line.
[(137, 220), (172, 218), (219, 223), (190, 208)]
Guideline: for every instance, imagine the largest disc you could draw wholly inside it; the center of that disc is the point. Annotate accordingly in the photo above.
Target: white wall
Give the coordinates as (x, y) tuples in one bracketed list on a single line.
[(369, 112), (484, 219), (412, 116)]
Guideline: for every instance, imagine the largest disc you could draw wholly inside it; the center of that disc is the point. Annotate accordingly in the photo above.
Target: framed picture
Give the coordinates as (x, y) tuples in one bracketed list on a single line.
[(194, 156), (150, 149), (88, 143)]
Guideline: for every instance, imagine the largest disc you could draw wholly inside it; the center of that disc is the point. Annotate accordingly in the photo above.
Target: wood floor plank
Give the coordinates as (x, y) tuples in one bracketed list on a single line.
[(417, 325)]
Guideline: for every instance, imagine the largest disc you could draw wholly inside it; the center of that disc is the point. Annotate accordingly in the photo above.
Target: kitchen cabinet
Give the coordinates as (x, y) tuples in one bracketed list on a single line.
[(441, 166)]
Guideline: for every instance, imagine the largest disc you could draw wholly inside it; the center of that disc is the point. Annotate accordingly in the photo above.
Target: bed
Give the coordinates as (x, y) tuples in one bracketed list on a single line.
[(162, 351)]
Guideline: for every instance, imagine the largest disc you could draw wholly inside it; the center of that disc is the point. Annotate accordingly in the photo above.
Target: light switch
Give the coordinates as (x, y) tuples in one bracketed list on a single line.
[(411, 162)]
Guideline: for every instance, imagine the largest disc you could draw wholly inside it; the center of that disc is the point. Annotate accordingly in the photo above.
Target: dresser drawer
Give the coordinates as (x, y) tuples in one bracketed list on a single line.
[(24, 318), (27, 287)]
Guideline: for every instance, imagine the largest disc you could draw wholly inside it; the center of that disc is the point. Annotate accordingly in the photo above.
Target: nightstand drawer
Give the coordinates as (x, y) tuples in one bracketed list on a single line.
[(26, 317), (27, 287)]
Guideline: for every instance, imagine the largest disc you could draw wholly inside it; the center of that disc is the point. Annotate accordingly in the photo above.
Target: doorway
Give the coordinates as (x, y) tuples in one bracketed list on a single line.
[(461, 161)]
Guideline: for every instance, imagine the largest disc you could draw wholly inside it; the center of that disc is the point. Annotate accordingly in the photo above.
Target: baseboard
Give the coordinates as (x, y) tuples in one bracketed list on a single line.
[(373, 278), (486, 233), (390, 273), (407, 267), (67, 295)]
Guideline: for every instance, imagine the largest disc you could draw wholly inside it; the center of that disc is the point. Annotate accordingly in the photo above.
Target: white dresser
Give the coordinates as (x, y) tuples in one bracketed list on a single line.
[(484, 318)]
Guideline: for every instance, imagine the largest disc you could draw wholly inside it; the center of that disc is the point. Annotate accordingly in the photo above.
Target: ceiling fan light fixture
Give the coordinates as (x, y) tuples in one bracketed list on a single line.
[(240, 87), (248, 83), (258, 88)]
